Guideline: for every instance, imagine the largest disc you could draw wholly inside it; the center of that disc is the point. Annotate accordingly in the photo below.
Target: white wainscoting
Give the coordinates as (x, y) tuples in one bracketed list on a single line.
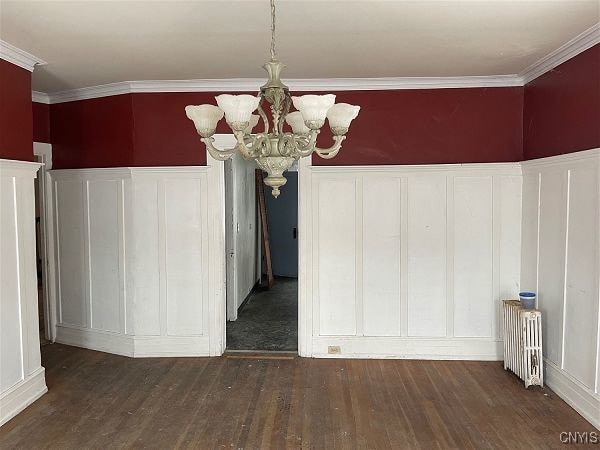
[(561, 261), (22, 378), (408, 261), (395, 261), (139, 259)]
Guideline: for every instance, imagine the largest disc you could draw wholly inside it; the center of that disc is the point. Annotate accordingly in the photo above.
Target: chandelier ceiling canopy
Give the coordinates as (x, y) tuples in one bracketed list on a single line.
[(274, 149)]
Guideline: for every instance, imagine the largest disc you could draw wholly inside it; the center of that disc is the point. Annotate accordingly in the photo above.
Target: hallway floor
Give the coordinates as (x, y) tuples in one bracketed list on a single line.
[(104, 401), (268, 321)]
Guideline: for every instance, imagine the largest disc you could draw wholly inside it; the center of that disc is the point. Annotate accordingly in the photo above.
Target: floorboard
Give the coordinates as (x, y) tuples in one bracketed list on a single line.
[(98, 400)]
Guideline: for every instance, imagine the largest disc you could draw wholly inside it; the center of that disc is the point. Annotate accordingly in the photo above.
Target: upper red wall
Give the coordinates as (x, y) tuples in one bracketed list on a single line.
[(431, 126), (92, 133), (562, 108), (427, 126), (16, 135), (41, 122), (163, 135)]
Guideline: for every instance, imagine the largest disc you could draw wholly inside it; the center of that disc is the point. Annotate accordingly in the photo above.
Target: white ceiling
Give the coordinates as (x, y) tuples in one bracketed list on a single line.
[(87, 43)]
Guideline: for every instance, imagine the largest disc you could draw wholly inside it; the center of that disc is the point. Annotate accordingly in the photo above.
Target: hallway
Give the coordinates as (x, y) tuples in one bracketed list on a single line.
[(268, 321)]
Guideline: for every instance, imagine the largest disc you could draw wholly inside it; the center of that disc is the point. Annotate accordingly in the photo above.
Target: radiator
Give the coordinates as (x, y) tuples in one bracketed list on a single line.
[(523, 343)]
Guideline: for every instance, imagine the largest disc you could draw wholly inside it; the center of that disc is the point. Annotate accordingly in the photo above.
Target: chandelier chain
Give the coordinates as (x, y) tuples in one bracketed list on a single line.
[(273, 51)]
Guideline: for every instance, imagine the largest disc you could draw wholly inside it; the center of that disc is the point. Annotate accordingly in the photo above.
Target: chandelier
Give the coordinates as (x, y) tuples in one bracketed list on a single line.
[(274, 149)]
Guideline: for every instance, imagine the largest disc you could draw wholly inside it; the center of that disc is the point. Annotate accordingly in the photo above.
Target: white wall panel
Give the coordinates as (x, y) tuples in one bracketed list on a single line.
[(509, 197), (147, 234), (507, 263), (426, 246), (11, 339), (581, 308), (473, 295), (413, 261), (336, 256), (568, 271), (529, 232), (184, 266), (381, 256), (73, 305), (104, 237), (22, 378), (553, 207), (144, 248)]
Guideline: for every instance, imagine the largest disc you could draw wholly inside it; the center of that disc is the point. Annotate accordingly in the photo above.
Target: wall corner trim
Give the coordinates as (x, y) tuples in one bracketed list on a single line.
[(40, 97), (21, 58), (572, 48)]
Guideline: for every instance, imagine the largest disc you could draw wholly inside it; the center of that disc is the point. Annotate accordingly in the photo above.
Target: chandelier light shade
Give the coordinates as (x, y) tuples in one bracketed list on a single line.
[(274, 149), (237, 108), (205, 117), (314, 108), (340, 115), (295, 120)]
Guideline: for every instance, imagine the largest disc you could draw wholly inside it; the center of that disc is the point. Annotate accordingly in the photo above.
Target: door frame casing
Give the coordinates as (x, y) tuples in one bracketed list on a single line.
[(44, 153), (217, 214)]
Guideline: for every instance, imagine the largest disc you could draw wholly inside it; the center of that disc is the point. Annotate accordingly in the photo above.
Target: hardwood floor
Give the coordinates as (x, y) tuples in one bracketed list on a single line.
[(98, 400)]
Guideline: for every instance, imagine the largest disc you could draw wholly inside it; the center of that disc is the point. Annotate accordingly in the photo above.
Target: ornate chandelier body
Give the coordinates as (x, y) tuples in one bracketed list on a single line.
[(274, 149)]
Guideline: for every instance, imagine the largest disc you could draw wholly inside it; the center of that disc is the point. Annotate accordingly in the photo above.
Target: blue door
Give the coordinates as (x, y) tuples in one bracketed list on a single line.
[(282, 215)]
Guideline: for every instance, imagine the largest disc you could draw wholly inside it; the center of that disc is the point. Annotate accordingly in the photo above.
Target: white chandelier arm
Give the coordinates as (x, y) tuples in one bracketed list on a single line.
[(297, 145), (330, 152), (252, 145), (264, 117), (219, 155)]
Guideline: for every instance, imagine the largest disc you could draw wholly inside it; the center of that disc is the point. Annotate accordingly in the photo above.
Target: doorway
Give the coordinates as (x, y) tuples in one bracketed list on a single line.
[(44, 243), (266, 314)]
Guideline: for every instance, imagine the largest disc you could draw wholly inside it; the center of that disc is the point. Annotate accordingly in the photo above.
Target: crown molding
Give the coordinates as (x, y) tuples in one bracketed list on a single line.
[(40, 97), (580, 43), (18, 57), (575, 46), (298, 85)]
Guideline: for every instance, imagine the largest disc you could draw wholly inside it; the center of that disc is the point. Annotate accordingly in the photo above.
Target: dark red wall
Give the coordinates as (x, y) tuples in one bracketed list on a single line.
[(16, 135), (163, 135), (562, 108), (41, 122), (394, 127), (431, 126), (92, 133)]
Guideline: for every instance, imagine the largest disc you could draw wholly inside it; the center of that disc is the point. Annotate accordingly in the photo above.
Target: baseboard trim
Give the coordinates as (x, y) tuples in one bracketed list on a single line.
[(171, 346), (21, 395), (577, 396), (477, 349), (134, 346), (95, 340)]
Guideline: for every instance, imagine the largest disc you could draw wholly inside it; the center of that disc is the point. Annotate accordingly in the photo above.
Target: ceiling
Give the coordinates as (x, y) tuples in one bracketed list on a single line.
[(87, 43)]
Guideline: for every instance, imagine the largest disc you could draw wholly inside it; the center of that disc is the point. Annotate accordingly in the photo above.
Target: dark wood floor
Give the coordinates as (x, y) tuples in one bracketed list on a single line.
[(97, 400)]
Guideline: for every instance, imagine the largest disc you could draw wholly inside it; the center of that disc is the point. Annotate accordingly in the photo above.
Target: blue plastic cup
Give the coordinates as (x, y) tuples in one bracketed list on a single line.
[(527, 300)]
